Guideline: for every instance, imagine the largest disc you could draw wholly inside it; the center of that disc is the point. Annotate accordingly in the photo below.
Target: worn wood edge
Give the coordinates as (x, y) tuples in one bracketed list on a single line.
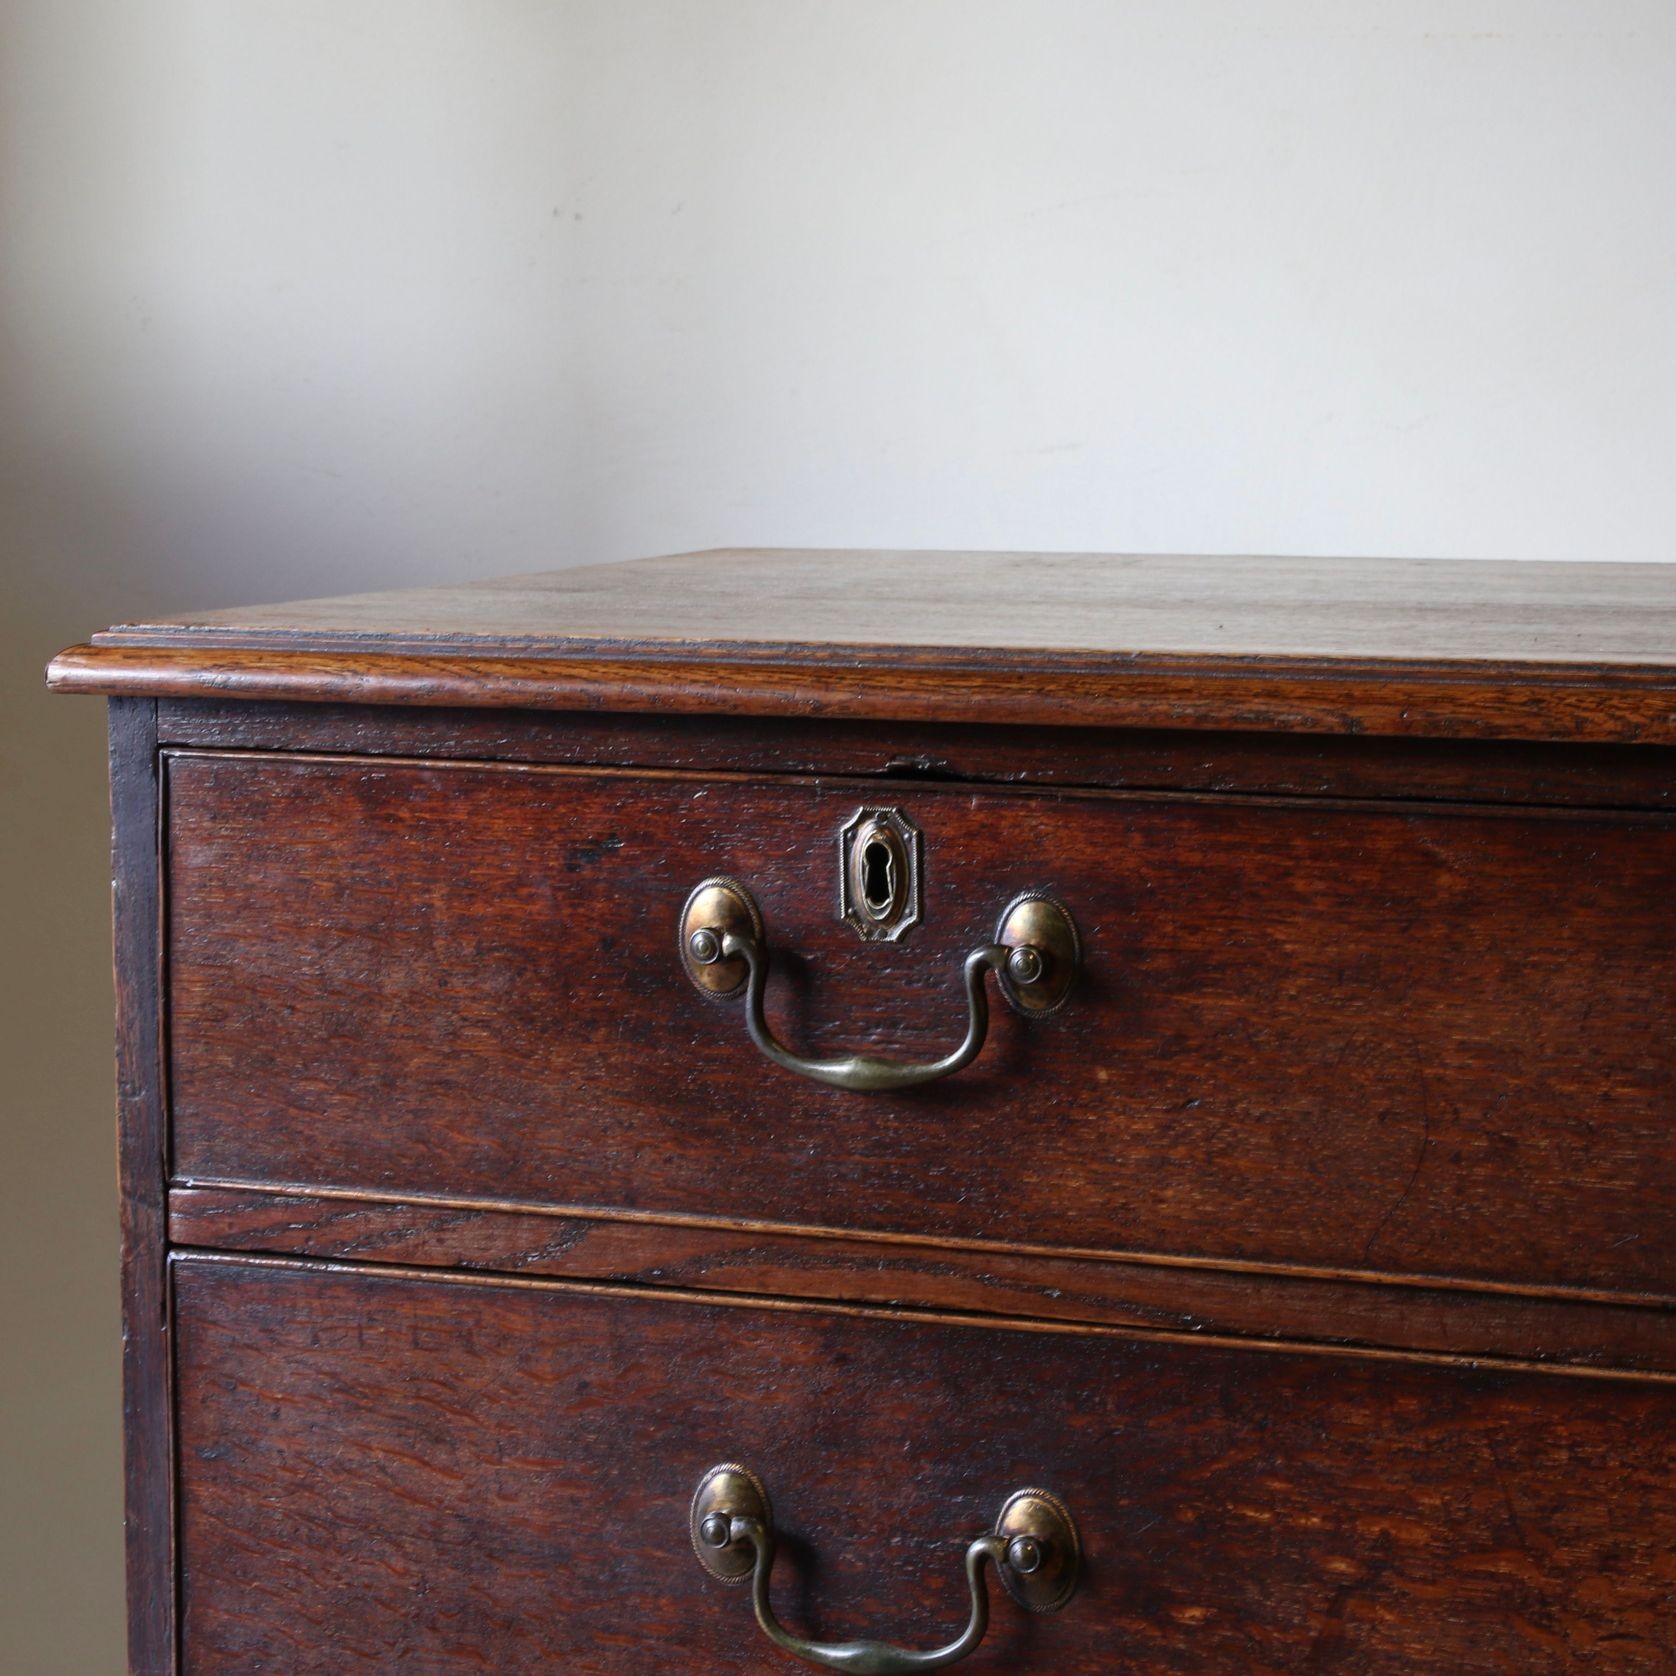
[(904, 1315), (904, 1274), (832, 646), (1557, 703), (1530, 774), (864, 786), (147, 1337), (933, 1245)]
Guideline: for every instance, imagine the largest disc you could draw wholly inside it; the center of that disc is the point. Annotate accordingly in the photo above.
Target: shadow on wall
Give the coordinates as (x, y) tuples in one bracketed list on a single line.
[(61, 1537)]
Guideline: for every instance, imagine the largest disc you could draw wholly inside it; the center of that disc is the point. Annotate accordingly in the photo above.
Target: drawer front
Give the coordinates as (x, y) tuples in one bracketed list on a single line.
[(379, 1472), (1356, 1037)]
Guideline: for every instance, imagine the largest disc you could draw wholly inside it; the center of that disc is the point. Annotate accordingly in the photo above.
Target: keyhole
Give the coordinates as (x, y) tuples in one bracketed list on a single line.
[(878, 877), (879, 874)]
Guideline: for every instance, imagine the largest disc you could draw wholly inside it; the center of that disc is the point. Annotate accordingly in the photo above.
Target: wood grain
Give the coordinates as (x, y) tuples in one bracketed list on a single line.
[(1186, 1297), (1430, 1042), (1322, 1253), (381, 1472), (1599, 704), (1391, 647), (833, 602), (1305, 765), (148, 1458)]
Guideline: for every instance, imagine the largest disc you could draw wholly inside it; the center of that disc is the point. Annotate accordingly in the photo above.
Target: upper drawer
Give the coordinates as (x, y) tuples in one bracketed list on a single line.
[(1344, 1036)]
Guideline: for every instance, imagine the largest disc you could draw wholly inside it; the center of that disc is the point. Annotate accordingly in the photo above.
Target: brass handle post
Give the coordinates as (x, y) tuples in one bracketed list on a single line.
[(1035, 957), (1034, 1549)]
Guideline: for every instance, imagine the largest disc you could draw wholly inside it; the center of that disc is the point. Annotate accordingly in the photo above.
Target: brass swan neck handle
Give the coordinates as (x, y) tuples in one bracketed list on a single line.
[(1033, 1548), (865, 1072), (867, 1658), (1035, 957)]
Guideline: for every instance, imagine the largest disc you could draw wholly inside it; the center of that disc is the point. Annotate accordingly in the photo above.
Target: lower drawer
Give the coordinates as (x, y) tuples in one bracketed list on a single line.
[(384, 1472)]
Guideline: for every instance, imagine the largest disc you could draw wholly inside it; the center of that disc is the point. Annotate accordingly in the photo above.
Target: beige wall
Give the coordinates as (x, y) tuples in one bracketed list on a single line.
[(308, 295)]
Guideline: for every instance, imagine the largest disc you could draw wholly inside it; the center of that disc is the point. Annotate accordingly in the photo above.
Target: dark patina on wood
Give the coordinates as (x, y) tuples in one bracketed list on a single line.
[(438, 1476), (148, 1453), (1252, 764), (1365, 1037), (1321, 1252), (1576, 1331)]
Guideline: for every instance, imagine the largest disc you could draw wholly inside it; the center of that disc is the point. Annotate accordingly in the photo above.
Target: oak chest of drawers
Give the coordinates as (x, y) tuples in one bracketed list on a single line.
[(1059, 1113)]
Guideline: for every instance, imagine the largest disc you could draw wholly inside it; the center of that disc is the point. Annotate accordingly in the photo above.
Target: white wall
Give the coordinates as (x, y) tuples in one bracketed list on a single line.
[(308, 295)]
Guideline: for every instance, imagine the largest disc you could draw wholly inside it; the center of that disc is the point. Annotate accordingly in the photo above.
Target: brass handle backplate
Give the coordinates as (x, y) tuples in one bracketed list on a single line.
[(1034, 957), (1034, 1548)]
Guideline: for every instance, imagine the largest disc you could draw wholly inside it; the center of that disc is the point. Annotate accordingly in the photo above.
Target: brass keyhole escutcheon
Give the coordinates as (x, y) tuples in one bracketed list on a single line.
[(880, 859)]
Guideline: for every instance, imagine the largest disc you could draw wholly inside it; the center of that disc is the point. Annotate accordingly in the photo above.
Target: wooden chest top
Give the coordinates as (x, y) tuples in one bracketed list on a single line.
[(1414, 647)]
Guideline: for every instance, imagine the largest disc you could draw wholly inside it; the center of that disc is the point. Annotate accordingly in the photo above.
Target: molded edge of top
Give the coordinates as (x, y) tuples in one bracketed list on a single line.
[(1440, 648)]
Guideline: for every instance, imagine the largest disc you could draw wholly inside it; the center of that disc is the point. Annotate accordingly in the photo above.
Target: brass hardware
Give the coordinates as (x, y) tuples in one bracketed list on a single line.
[(1034, 1549), (880, 855), (1035, 958), (1045, 953), (726, 1493), (1044, 1557), (719, 908)]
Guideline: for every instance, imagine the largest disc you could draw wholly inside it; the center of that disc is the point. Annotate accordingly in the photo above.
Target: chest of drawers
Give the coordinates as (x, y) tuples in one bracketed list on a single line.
[(1060, 1114)]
